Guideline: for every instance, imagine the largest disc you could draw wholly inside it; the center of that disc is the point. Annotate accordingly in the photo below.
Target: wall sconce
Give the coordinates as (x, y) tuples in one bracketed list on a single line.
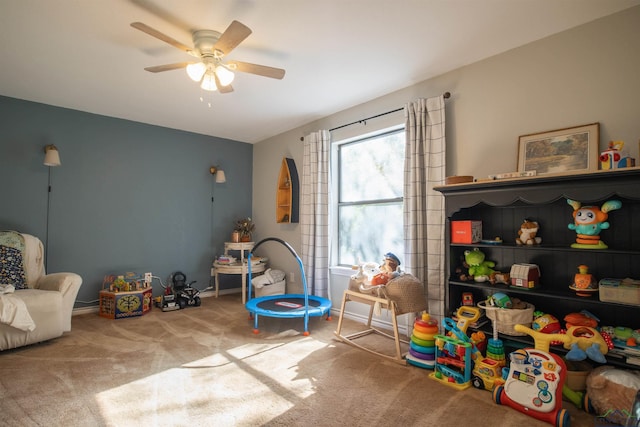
[(219, 173), (51, 155)]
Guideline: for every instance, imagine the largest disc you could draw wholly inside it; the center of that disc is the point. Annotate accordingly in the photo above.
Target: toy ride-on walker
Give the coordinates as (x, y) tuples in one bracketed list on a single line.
[(536, 378), (186, 295), (179, 294)]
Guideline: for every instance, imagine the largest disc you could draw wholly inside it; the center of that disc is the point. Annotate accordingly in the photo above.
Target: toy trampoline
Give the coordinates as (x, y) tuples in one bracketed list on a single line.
[(286, 306)]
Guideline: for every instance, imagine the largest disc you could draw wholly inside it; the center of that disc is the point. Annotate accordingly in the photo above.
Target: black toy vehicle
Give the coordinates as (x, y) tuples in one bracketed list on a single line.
[(185, 294)]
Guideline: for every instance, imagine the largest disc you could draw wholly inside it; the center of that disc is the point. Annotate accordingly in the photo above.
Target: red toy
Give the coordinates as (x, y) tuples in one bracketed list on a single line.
[(534, 386), (536, 380)]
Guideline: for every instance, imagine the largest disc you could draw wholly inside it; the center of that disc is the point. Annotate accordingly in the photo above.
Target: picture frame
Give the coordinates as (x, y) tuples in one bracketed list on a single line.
[(560, 152)]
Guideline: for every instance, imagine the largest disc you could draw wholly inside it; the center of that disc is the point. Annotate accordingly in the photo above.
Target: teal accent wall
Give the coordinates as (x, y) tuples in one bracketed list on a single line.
[(127, 197)]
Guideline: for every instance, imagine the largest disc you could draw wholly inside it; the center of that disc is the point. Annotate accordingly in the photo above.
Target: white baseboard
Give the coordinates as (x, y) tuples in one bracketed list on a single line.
[(205, 293), (85, 310)]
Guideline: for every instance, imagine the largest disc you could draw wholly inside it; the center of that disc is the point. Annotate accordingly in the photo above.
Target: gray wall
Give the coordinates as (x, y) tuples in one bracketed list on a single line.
[(127, 197), (588, 74)]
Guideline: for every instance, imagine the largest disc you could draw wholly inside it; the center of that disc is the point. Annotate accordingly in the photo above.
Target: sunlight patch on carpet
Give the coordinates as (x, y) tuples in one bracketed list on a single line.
[(224, 389)]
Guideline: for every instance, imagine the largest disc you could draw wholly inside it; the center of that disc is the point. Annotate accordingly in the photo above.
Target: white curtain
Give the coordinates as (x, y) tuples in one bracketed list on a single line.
[(314, 212), (424, 216)]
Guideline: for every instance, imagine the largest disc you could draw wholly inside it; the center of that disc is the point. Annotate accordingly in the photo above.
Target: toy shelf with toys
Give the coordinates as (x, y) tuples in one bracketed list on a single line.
[(536, 244)]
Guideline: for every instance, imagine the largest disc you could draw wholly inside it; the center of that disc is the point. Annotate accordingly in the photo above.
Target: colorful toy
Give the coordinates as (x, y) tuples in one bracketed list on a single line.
[(545, 323), (537, 389), (525, 275), (535, 381), (487, 372), (585, 342), (622, 337), (584, 283), (527, 235), (613, 158), (388, 270), (534, 386), (479, 268), (589, 221), (453, 359), (499, 299), (422, 345), (466, 315), (584, 318), (467, 299)]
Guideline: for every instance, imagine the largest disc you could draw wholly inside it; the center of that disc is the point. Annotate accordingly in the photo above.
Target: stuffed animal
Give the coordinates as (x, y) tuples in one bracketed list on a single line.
[(612, 392), (479, 268), (527, 235)]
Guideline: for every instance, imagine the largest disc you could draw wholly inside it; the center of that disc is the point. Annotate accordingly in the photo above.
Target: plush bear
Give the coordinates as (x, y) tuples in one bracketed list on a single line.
[(527, 235), (612, 391)]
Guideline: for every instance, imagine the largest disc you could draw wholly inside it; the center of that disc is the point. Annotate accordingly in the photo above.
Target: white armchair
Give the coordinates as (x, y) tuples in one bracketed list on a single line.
[(48, 299)]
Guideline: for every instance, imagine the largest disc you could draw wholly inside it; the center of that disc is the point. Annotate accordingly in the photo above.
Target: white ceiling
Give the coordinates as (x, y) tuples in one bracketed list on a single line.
[(83, 54)]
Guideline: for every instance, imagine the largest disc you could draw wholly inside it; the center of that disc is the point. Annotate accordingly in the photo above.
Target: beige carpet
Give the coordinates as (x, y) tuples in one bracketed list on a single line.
[(204, 367)]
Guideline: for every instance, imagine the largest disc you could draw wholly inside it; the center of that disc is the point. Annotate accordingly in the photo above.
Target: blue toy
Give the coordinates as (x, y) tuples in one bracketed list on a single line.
[(287, 306), (454, 357)]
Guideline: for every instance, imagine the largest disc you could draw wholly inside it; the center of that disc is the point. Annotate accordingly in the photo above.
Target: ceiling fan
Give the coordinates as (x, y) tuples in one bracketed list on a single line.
[(210, 47)]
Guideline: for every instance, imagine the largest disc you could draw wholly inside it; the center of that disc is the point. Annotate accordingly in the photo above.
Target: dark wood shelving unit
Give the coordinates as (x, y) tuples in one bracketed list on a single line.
[(503, 205)]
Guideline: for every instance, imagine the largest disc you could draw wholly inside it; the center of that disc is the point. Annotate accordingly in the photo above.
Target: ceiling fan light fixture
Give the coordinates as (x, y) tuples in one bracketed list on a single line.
[(225, 76), (196, 71), (209, 81)]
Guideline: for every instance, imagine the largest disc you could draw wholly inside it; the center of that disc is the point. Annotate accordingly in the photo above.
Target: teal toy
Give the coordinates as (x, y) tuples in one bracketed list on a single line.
[(479, 268), (589, 221)]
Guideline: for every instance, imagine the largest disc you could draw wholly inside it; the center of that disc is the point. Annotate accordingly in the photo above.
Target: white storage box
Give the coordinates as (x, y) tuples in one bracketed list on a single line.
[(277, 288), (621, 291)]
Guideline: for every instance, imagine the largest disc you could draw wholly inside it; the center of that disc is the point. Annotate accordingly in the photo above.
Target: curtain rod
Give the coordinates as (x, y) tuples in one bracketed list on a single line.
[(446, 95)]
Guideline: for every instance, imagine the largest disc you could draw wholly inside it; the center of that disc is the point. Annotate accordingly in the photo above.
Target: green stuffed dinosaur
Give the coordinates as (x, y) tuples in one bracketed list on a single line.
[(479, 269)]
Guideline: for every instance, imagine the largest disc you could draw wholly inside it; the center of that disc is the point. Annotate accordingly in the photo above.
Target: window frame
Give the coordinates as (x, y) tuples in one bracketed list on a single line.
[(335, 203)]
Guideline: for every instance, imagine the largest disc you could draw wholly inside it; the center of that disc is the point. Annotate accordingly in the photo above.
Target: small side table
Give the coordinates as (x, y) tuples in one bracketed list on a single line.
[(239, 267)]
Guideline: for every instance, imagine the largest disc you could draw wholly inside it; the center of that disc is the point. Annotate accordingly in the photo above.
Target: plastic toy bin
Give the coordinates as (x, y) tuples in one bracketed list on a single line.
[(506, 318)]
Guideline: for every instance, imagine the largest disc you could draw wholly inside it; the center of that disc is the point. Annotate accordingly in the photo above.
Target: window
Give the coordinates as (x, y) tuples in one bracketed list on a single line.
[(368, 176)]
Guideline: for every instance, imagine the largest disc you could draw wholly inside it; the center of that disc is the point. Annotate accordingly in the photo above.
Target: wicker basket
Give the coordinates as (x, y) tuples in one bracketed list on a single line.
[(506, 318), (405, 290)]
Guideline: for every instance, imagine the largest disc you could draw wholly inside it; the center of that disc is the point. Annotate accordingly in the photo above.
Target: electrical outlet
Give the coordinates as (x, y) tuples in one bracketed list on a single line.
[(292, 277)]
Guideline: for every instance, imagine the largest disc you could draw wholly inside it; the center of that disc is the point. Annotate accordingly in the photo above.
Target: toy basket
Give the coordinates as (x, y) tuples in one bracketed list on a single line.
[(506, 318), (405, 290)]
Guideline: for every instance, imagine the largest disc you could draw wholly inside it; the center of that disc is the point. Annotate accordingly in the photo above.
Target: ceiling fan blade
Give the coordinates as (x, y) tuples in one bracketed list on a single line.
[(261, 70), (222, 89), (168, 67), (163, 37), (235, 33)]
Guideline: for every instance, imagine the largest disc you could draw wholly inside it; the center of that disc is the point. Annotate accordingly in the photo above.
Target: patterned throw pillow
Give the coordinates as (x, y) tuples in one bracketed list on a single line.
[(12, 268)]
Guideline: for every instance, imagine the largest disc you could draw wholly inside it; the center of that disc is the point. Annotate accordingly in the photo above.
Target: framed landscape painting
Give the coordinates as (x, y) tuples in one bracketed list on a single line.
[(560, 152)]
